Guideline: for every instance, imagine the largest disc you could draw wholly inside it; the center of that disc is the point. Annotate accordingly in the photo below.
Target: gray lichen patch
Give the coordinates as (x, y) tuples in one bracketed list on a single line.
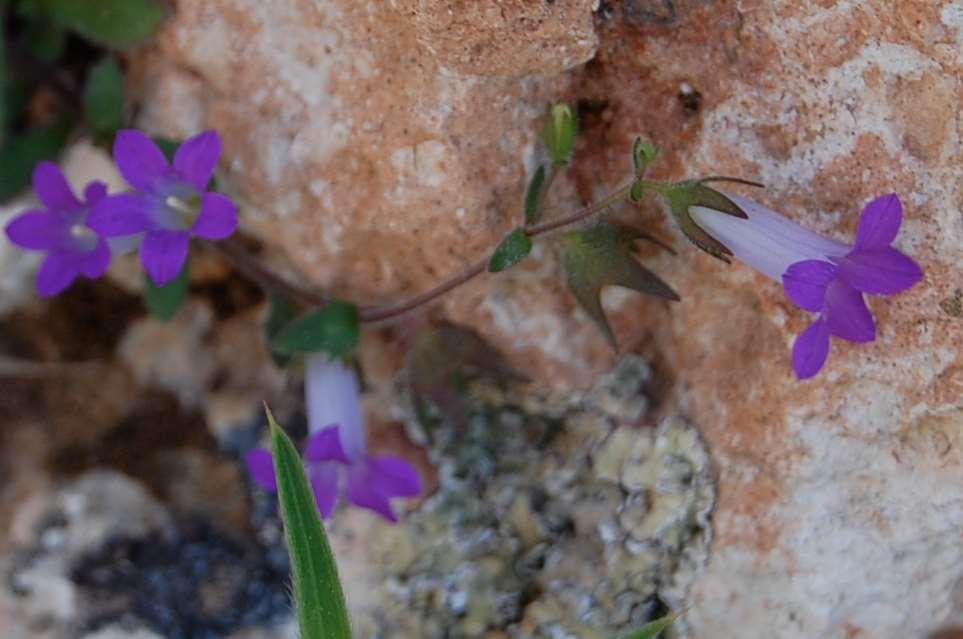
[(569, 525)]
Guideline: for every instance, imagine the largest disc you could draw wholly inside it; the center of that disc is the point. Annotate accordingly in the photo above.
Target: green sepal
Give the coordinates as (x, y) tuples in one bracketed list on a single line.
[(643, 154), (683, 195), (104, 99), (164, 301), (559, 134), (318, 596), (653, 629), (533, 197), (513, 249), (333, 329), (111, 23), (603, 256)]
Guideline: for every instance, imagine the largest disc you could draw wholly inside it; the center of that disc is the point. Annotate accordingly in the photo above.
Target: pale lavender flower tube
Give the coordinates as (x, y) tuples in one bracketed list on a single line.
[(336, 447), (819, 274)]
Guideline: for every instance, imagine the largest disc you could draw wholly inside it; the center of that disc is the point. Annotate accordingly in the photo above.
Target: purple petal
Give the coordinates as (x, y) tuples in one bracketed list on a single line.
[(163, 253), (124, 214), (140, 161), (324, 483), (810, 350), (95, 192), (847, 315), (880, 271), (325, 445), (197, 157), (58, 271), (879, 222), (364, 494), (393, 477), (261, 466), (805, 283), (37, 230), (52, 188), (96, 262), (218, 217)]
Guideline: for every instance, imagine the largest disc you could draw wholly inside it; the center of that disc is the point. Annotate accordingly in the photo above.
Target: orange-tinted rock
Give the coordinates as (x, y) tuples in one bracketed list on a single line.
[(375, 161)]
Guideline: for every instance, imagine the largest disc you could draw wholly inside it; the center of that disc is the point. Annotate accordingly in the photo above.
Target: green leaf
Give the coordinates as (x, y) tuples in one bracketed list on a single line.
[(44, 41), (167, 146), (111, 23), (683, 195), (104, 99), (164, 301), (333, 329), (4, 72), (560, 133), (533, 196), (514, 248), (281, 311), (20, 153), (652, 629), (603, 256), (643, 154), (318, 596)]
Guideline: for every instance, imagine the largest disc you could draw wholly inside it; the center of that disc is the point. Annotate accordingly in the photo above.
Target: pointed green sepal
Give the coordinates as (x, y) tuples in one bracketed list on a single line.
[(683, 195), (653, 629), (333, 329), (514, 248), (164, 301), (560, 133), (533, 197), (643, 154), (318, 597), (603, 256)]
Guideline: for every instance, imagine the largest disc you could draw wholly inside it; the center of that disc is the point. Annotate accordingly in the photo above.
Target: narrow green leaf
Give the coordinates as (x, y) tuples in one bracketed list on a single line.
[(533, 196), (20, 153), (652, 629), (560, 133), (602, 256), (318, 596), (333, 329), (164, 301), (111, 23), (281, 312), (514, 248), (104, 99)]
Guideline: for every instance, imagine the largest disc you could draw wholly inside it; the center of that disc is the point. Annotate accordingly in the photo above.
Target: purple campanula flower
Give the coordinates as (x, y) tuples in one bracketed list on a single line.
[(818, 274), (62, 230), (336, 447), (171, 203)]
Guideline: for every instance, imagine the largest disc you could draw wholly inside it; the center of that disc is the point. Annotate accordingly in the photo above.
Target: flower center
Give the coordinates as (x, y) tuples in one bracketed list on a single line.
[(81, 232), (186, 209)]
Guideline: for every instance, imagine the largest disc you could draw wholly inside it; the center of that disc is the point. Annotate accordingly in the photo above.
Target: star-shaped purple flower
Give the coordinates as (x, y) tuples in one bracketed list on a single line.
[(62, 230), (835, 288), (171, 203), (336, 451), (819, 274)]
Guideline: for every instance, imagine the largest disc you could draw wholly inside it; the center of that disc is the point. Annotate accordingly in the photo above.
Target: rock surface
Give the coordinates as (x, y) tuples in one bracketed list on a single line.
[(379, 147)]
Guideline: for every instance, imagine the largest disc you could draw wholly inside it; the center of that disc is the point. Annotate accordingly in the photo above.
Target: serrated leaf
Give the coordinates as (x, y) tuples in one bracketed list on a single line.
[(333, 329), (513, 249), (318, 596), (164, 301), (443, 359), (104, 99), (560, 132), (683, 195), (603, 256), (281, 312), (533, 196), (20, 153), (111, 23), (652, 629)]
